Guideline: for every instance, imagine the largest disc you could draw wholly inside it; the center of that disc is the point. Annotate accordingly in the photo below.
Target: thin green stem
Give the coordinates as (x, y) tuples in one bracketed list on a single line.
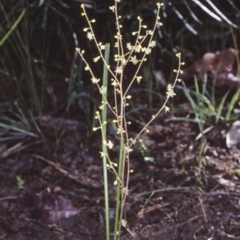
[(104, 146), (12, 28)]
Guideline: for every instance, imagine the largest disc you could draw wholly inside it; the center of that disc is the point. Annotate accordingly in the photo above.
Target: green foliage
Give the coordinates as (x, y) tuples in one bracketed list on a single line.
[(229, 115), (205, 109), (20, 182), (12, 28), (40, 36), (16, 127), (28, 56)]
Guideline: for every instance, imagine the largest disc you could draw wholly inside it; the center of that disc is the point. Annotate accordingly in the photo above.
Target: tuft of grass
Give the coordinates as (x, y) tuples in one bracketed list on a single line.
[(16, 129), (27, 30), (207, 111), (203, 108)]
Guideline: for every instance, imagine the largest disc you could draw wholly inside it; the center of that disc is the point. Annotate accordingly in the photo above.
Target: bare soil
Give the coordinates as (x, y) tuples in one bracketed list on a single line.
[(187, 191)]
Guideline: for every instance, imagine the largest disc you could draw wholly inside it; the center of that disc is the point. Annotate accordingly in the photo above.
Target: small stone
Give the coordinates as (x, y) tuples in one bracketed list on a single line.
[(233, 135)]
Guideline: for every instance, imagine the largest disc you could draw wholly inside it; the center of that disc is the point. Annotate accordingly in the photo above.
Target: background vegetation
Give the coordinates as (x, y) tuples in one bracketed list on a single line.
[(41, 72)]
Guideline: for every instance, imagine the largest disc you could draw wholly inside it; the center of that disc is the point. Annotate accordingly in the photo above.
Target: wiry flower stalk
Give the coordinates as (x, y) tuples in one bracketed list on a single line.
[(128, 54)]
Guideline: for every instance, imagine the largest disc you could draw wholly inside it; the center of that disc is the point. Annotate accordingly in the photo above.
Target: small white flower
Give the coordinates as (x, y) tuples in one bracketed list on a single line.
[(134, 60), (110, 144), (127, 149), (152, 44), (170, 91), (96, 59), (139, 78), (129, 46), (87, 67), (138, 48), (167, 109), (95, 80), (114, 83), (103, 90), (112, 8), (119, 69), (90, 35)]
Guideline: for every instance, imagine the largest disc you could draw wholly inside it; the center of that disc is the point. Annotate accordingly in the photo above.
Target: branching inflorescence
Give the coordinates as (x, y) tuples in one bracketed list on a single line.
[(130, 54)]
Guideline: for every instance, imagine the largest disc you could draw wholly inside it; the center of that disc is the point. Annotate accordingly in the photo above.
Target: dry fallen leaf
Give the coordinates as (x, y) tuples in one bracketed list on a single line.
[(47, 207), (218, 66)]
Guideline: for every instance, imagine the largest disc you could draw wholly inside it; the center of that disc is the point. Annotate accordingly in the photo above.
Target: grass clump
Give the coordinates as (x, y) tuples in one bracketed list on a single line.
[(126, 53), (36, 41)]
